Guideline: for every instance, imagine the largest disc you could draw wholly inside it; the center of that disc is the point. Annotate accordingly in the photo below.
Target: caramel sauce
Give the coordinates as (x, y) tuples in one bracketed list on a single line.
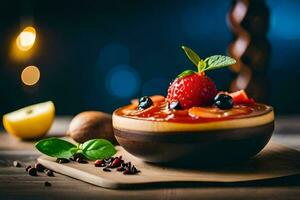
[(160, 112)]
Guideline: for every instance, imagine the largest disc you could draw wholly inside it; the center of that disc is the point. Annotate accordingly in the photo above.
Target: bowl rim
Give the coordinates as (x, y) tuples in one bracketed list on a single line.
[(152, 126)]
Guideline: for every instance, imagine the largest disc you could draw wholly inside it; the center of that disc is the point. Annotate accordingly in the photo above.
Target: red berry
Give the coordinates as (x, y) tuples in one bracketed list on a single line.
[(240, 97), (192, 90), (98, 163)]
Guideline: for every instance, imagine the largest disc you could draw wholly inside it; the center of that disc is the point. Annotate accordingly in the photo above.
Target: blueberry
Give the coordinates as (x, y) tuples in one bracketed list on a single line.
[(175, 105), (223, 101), (144, 102)]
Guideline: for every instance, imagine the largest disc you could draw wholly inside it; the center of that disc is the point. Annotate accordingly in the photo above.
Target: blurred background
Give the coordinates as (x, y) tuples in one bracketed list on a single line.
[(97, 55)]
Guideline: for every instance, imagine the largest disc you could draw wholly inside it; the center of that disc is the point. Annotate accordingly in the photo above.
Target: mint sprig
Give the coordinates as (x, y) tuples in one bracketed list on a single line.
[(92, 149), (210, 63)]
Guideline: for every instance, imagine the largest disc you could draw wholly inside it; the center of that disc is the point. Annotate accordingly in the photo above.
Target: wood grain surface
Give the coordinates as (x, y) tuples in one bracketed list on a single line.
[(15, 183), (273, 162)]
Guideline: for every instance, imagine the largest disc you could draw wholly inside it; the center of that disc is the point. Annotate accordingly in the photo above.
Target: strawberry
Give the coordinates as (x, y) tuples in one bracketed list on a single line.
[(192, 88), (240, 97)]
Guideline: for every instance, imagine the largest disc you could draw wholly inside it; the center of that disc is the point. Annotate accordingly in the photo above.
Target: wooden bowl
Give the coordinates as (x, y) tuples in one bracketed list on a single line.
[(225, 141)]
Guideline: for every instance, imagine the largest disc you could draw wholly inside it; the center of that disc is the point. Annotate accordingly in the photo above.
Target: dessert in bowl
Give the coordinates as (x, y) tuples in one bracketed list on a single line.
[(194, 121)]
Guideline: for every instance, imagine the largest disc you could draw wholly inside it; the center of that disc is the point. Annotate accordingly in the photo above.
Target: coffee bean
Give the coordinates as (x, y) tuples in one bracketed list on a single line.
[(109, 160), (76, 155), (32, 171), (47, 184), (62, 160), (81, 160), (27, 168), (17, 164), (39, 167), (49, 173), (106, 169)]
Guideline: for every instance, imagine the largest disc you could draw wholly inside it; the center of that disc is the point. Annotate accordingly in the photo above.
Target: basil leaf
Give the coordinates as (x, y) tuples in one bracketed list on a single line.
[(218, 61), (98, 149), (185, 73), (55, 147), (193, 56)]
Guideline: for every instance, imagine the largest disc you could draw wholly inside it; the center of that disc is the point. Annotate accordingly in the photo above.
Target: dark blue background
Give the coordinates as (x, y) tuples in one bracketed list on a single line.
[(100, 54)]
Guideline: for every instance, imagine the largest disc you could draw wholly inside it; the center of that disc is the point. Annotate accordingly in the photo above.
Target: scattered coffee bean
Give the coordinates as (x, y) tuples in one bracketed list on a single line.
[(106, 169), (116, 162), (47, 184), (62, 160), (16, 164), (76, 155), (27, 168), (131, 170), (81, 160), (49, 173), (32, 171), (134, 169), (39, 167)]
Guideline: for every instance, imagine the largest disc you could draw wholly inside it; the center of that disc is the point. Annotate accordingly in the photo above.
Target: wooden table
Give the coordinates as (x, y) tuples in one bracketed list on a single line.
[(15, 183)]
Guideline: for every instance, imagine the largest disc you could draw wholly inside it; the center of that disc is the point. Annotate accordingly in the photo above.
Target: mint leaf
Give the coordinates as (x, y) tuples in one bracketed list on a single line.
[(201, 65), (55, 147), (98, 149), (193, 56), (185, 73), (218, 61)]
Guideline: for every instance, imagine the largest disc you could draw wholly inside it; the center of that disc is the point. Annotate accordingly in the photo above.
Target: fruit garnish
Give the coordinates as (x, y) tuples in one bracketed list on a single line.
[(30, 122), (145, 102), (240, 97), (223, 101), (154, 98), (192, 88), (213, 112)]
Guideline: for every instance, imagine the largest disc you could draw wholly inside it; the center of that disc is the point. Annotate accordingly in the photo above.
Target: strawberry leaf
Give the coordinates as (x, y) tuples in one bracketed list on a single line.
[(201, 65), (194, 58), (185, 73), (218, 61)]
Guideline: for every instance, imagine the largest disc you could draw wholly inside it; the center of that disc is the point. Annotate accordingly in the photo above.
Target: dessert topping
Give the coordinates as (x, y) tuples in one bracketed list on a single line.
[(175, 105), (145, 102), (223, 101), (192, 88), (240, 97)]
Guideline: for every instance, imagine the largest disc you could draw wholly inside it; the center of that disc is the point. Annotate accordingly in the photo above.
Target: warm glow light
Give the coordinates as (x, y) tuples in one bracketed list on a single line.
[(30, 75), (26, 38)]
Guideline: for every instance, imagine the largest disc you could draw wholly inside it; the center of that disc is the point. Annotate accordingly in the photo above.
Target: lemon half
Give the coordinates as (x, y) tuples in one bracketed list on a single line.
[(30, 122)]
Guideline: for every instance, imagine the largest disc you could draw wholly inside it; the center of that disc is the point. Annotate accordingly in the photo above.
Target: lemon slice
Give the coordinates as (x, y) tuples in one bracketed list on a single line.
[(30, 122)]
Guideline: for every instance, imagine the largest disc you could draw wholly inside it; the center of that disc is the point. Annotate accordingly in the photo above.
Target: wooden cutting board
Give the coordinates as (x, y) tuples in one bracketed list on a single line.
[(273, 162)]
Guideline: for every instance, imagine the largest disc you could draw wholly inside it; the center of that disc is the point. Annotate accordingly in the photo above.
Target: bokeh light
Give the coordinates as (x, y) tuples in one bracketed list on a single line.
[(285, 19), (26, 38), (30, 75), (122, 81)]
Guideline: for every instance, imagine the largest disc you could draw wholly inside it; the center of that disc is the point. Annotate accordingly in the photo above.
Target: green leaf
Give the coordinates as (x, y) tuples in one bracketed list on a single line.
[(201, 65), (55, 147), (218, 61), (185, 73), (193, 56), (98, 149)]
